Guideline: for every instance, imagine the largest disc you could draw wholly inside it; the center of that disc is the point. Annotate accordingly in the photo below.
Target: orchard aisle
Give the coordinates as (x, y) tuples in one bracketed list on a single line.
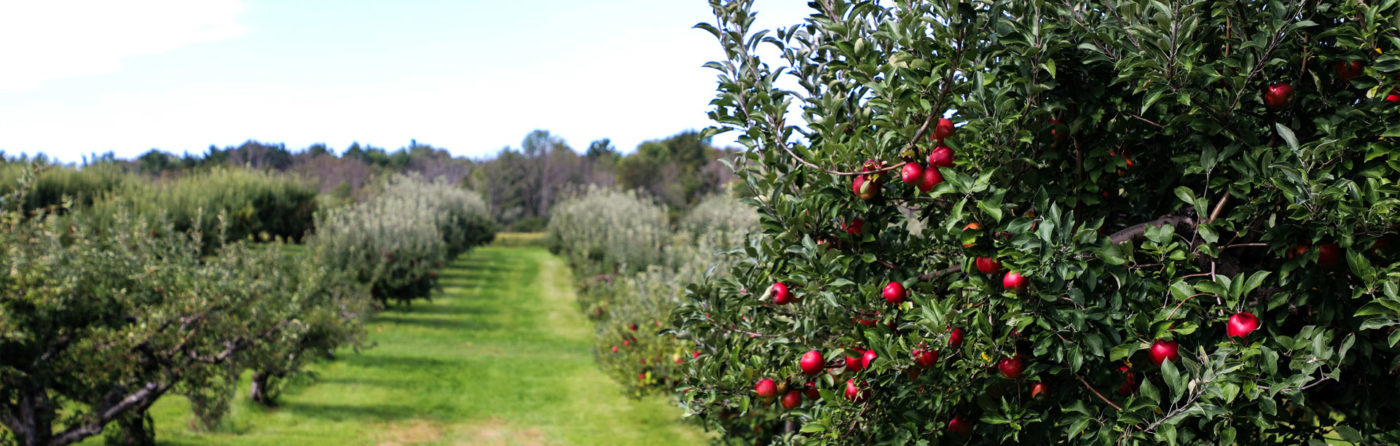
[(501, 356)]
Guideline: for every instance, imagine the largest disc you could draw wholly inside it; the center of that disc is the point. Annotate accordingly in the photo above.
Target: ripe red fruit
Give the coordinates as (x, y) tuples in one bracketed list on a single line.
[(925, 358), (1278, 95), (1241, 324), (943, 130), (781, 295), (1130, 384), (974, 226), (868, 358), (1348, 70), (1011, 367), (1014, 282), (1392, 97), (865, 322), (810, 390), (854, 363), (854, 392), (632, 327), (942, 156), (1329, 255), (988, 265), (911, 173), (696, 355), (931, 178), (812, 362), (766, 388), (955, 339), (1039, 390), (1298, 249), (960, 426), (1056, 133), (1163, 351), (894, 293), (614, 349), (792, 399), (855, 226), (865, 188)]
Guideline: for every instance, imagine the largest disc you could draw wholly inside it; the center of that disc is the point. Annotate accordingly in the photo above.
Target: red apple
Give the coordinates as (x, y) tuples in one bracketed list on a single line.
[(1241, 324), (1278, 95), (865, 188), (854, 392), (1298, 249), (812, 362), (931, 178), (1056, 133), (911, 173), (1329, 255), (1392, 97), (1348, 70), (960, 426), (1163, 351), (865, 322), (791, 400), (766, 388), (868, 358), (988, 265), (943, 130), (853, 363), (781, 295), (925, 358), (955, 338), (974, 226), (1014, 282), (942, 156), (1130, 384), (614, 349), (1011, 367), (810, 390), (855, 227), (696, 355), (632, 327), (1039, 390), (894, 293)]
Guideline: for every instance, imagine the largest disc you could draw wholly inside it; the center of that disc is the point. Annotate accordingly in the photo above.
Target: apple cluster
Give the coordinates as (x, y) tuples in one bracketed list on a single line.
[(1160, 225)]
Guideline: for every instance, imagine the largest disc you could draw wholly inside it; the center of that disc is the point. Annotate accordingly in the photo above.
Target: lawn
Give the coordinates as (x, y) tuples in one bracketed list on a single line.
[(501, 356)]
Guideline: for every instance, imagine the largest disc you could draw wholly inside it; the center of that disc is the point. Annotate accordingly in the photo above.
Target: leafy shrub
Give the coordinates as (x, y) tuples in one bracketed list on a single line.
[(257, 204), (1077, 128), (96, 323), (632, 306), (604, 231), (53, 183), (395, 241)]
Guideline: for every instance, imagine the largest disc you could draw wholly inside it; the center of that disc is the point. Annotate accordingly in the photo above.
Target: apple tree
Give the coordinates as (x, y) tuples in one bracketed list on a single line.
[(1036, 222)]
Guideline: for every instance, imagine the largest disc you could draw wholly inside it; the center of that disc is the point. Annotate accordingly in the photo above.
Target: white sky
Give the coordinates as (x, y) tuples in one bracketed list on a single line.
[(81, 76)]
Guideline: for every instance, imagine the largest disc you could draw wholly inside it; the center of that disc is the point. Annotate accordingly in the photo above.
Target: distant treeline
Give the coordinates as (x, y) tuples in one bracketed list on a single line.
[(520, 184)]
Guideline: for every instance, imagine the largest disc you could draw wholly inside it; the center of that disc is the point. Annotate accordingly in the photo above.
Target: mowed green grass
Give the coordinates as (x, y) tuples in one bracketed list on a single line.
[(501, 356)]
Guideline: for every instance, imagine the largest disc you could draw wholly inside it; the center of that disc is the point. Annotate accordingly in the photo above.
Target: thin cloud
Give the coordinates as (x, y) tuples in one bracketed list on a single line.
[(48, 40)]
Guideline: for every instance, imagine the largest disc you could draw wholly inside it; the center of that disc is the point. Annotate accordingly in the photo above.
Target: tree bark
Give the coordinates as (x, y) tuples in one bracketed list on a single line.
[(31, 420), (135, 429), (259, 390)]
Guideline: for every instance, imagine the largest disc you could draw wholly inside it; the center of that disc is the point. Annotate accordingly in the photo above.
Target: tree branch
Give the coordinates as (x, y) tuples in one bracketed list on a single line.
[(1096, 393), (1138, 230)]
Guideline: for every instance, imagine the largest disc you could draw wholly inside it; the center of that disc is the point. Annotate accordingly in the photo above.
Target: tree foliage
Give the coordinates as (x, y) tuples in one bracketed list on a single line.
[(1119, 155)]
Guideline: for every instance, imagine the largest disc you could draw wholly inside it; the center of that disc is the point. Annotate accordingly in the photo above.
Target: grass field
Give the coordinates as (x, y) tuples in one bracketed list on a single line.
[(501, 356)]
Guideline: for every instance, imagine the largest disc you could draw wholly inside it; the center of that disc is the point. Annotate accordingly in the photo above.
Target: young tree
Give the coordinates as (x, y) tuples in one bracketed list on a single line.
[(1135, 222)]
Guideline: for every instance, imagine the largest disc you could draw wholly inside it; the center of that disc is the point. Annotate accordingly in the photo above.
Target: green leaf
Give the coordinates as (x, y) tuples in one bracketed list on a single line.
[(1287, 135), (1111, 255), (1184, 194), (1348, 434)]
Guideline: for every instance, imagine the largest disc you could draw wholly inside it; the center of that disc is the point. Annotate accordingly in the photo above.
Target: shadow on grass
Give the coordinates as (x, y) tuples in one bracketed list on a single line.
[(409, 364), (464, 324), (358, 412)]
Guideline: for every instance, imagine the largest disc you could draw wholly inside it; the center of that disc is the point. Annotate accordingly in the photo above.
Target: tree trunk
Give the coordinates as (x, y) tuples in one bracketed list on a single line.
[(259, 390), (31, 421), (133, 429)]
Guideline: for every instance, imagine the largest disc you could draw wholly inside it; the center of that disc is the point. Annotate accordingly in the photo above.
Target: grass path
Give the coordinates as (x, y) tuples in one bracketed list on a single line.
[(501, 356)]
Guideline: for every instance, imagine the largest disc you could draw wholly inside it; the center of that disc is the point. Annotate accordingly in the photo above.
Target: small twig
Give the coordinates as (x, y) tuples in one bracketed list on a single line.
[(1218, 207), (1096, 393), (1246, 245)]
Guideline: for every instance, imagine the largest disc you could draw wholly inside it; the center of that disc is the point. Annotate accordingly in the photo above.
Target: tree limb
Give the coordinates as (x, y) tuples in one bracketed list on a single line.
[(1136, 231)]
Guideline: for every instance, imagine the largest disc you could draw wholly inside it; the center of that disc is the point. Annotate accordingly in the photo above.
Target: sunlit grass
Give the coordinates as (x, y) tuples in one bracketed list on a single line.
[(501, 356)]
